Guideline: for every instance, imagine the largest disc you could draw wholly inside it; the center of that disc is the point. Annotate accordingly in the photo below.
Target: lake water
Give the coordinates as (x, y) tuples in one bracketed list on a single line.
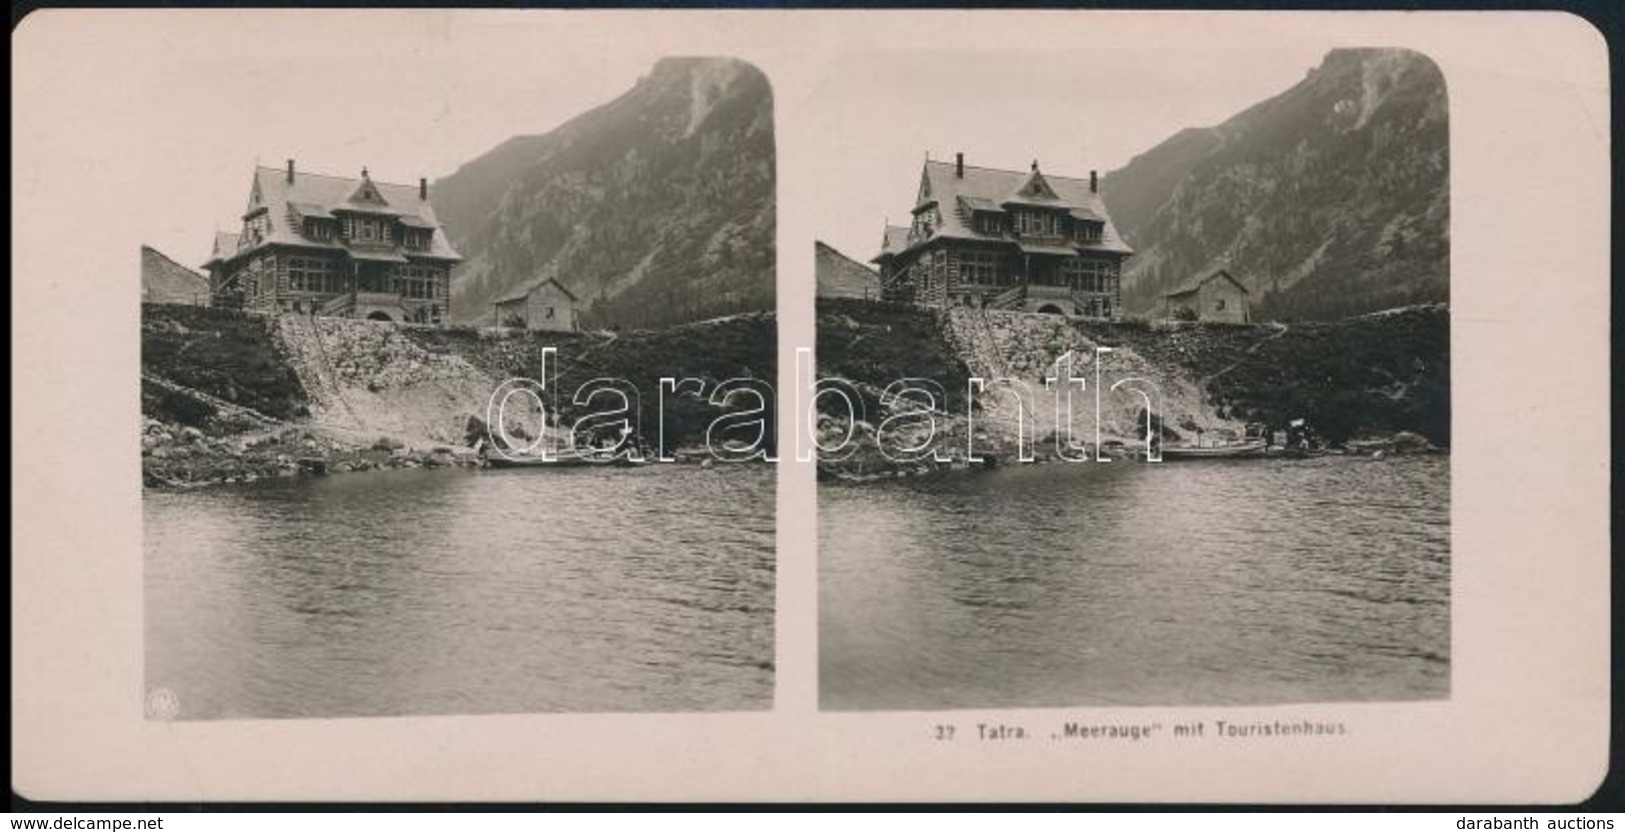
[(463, 592), (1181, 583)]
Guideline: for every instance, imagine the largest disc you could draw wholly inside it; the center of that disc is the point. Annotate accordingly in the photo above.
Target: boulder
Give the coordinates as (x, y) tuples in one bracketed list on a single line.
[(386, 443)]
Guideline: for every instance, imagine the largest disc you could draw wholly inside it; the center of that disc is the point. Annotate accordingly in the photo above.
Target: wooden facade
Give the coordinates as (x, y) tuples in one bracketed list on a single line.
[(546, 305), (1002, 239), (1216, 298), (329, 245)]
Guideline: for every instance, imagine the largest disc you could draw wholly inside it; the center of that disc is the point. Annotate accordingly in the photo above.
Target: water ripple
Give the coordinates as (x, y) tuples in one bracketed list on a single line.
[(1189, 583)]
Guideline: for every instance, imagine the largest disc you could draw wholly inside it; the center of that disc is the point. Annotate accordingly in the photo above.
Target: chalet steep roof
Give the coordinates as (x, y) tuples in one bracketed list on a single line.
[(990, 186), (320, 195), (225, 245), (894, 241), (525, 290), (1197, 282)]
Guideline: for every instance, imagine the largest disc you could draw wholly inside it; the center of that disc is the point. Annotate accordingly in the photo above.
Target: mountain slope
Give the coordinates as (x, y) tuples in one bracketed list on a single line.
[(654, 209), (1328, 200)]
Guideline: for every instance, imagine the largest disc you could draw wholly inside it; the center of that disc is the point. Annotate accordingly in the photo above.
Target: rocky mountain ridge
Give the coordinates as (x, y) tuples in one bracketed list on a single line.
[(1327, 201), (654, 209)]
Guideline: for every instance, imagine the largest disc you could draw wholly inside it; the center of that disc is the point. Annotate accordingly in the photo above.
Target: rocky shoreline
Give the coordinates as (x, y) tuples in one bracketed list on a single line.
[(865, 464), (177, 456)]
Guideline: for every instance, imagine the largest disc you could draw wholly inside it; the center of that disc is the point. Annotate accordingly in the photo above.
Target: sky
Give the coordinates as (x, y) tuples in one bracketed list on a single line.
[(1073, 111), (163, 115), (406, 96)]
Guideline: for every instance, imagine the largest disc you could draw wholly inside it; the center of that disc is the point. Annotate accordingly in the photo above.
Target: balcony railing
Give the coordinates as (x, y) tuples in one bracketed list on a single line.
[(338, 304), (1011, 298), (1047, 292)]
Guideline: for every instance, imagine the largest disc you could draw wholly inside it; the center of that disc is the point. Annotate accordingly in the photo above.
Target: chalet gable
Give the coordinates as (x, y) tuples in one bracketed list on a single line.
[(1034, 189), (366, 194), (532, 288)]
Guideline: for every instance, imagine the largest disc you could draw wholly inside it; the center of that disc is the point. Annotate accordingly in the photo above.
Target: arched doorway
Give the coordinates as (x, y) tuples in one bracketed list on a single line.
[(1050, 309), (380, 316)]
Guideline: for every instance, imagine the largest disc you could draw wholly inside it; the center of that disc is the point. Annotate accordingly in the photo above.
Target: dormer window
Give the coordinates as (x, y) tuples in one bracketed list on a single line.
[(1037, 223)]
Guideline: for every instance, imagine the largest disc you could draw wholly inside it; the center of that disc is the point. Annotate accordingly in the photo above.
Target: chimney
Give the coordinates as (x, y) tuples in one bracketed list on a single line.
[(959, 166), (1094, 182), (290, 171), (423, 188)]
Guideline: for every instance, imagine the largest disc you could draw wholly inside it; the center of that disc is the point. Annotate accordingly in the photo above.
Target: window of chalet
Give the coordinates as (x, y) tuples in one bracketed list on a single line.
[(1037, 223), (982, 267), (311, 274), (1089, 275), (255, 228), (415, 281), (925, 223)]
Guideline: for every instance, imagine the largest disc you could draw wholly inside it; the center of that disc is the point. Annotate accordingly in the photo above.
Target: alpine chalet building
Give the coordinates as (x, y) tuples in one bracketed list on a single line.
[(1002, 239), (333, 245)]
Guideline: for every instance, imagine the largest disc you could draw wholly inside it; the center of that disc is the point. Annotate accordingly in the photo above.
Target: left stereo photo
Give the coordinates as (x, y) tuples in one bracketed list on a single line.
[(460, 402)]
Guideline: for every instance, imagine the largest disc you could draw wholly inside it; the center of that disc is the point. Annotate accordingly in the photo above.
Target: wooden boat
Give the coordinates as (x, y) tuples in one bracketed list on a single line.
[(1230, 451)]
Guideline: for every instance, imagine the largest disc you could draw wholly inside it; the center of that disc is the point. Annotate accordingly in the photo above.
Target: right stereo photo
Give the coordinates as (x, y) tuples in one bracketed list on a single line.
[(1133, 380)]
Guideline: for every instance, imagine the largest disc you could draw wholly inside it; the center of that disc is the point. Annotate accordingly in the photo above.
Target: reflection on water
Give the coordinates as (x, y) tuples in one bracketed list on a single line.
[(1217, 582), (461, 592)]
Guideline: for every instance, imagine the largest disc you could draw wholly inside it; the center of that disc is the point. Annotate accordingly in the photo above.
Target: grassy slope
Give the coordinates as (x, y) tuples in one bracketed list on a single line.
[(1374, 374), (741, 347), (878, 343), (231, 355)]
